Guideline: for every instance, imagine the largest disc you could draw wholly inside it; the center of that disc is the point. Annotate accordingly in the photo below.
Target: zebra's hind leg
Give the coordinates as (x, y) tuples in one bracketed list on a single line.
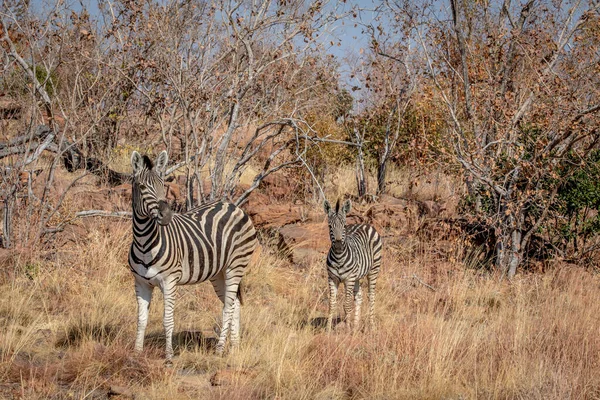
[(372, 281), (235, 323), (357, 304), (227, 290), (219, 285), (143, 292)]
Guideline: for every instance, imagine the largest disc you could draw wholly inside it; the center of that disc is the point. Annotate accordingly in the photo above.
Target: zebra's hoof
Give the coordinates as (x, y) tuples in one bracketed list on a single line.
[(168, 363)]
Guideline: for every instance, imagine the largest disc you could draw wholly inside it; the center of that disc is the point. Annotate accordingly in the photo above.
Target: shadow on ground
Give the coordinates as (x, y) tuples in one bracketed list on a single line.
[(184, 340), (320, 323)]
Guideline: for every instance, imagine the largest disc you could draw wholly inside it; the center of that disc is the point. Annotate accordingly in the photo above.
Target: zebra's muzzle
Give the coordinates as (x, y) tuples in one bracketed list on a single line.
[(338, 245), (165, 214)]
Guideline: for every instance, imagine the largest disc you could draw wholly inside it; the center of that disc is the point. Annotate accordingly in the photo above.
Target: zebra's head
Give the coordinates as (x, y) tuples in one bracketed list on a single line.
[(337, 222), (148, 192)]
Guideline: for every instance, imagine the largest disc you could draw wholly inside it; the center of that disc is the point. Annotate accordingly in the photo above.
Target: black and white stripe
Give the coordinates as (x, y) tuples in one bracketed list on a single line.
[(214, 242), (355, 253)]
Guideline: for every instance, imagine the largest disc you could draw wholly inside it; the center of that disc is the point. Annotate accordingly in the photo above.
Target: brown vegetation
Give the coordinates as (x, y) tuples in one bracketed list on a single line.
[(467, 137), (68, 323)]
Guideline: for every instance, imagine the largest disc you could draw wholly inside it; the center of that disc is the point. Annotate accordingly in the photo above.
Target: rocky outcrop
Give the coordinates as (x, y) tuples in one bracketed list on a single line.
[(304, 243), (303, 231)]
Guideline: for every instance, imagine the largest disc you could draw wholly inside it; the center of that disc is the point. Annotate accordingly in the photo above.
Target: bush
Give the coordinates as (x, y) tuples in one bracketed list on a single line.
[(577, 221)]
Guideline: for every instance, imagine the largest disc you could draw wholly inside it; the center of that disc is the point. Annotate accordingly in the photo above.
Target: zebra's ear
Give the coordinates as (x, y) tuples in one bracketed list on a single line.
[(327, 207), (137, 162), (347, 206), (161, 162)]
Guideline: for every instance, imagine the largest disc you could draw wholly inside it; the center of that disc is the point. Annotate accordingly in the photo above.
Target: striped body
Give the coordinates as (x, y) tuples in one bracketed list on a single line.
[(359, 256), (212, 242), (193, 247), (355, 253)]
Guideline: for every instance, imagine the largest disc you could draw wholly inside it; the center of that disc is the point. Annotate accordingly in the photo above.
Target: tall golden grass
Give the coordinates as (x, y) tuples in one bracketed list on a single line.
[(67, 324)]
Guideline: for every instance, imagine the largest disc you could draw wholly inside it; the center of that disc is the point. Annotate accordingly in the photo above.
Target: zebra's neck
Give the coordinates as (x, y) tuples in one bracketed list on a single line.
[(145, 230)]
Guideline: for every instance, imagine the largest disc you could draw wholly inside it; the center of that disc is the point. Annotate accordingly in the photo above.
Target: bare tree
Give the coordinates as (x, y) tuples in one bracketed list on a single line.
[(225, 87), (521, 101), (388, 79)]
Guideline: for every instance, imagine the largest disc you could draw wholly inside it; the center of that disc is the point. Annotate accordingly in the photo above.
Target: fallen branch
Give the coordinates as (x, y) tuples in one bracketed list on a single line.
[(41, 130), (73, 158), (103, 213), (38, 151), (21, 144), (88, 213)]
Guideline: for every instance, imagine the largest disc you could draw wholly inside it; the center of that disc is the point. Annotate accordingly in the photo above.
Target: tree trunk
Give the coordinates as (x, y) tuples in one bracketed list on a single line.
[(361, 181), (516, 254), (7, 221), (381, 174), (221, 156), (509, 248), (189, 188)]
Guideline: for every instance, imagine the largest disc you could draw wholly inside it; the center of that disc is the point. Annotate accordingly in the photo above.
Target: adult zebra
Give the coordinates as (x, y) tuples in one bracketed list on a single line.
[(214, 241), (355, 253)]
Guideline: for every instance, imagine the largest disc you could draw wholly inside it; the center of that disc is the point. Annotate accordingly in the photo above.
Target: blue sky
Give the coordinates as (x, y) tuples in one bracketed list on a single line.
[(349, 32)]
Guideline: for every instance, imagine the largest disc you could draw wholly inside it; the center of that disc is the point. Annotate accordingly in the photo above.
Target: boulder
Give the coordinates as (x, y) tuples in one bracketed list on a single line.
[(314, 235), (306, 243), (431, 208), (267, 214), (276, 186)]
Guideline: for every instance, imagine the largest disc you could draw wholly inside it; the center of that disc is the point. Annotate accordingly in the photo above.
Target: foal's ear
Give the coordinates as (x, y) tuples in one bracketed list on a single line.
[(327, 207), (161, 163), (347, 206), (137, 162)]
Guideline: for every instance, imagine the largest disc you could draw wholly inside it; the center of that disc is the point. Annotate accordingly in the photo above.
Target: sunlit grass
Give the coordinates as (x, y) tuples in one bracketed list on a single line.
[(69, 331)]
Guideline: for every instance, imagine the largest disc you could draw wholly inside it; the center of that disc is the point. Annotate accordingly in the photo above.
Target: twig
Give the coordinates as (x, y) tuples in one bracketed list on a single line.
[(415, 277)]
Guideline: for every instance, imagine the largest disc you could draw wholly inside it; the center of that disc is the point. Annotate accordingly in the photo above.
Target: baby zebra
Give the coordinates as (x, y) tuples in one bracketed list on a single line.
[(214, 242), (355, 253)]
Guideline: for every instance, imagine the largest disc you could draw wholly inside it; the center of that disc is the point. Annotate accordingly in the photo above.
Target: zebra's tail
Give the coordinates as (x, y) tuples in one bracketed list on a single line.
[(239, 293)]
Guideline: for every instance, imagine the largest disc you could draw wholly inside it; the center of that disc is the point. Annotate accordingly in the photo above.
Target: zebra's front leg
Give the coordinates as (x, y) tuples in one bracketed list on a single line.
[(357, 304), (168, 290), (349, 299), (143, 292), (333, 288)]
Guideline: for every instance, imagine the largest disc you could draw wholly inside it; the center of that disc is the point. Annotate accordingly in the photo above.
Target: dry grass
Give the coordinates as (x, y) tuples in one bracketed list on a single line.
[(402, 182), (66, 331)]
